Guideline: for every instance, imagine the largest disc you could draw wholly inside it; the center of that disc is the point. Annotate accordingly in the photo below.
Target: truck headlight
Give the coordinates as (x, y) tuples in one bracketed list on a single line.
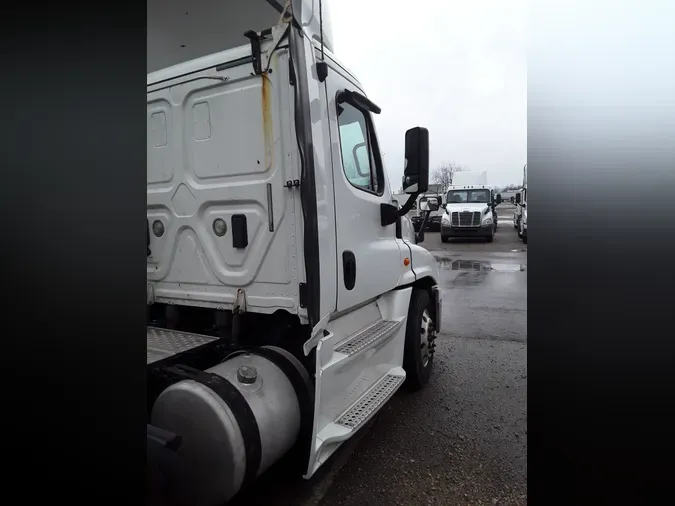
[(445, 219), (487, 220)]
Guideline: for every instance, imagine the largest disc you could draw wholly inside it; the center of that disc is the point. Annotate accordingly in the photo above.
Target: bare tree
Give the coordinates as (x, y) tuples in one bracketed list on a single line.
[(444, 173)]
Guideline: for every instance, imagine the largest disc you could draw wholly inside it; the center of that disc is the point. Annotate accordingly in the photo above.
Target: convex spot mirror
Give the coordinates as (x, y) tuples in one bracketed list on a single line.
[(430, 204)]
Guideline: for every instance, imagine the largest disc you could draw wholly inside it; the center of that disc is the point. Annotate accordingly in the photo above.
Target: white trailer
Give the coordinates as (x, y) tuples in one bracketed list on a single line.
[(288, 299), (466, 178)]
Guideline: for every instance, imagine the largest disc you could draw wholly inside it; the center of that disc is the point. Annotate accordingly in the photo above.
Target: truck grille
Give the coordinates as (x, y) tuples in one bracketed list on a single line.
[(466, 219)]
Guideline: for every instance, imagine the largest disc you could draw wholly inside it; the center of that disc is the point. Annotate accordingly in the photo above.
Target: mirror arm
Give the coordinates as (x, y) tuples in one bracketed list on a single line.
[(419, 236), (390, 213)]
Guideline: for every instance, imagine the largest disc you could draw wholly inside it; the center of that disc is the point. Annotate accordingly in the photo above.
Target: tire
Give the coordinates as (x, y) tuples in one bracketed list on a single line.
[(525, 239), (444, 238), (418, 356), (490, 238)]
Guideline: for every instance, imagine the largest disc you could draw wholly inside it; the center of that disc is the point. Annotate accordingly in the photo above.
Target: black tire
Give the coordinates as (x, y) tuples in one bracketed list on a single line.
[(525, 239), (490, 238), (445, 238), (417, 373)]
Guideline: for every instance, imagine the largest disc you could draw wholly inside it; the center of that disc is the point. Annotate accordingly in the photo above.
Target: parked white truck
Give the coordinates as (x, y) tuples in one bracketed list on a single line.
[(288, 299), (470, 208), (521, 209)]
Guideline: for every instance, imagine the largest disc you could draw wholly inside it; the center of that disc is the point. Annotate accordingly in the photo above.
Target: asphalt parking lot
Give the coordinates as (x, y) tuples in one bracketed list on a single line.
[(463, 439)]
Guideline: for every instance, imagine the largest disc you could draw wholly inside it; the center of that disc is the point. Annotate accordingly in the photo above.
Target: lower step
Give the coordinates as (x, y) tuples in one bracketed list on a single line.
[(364, 408), (378, 394)]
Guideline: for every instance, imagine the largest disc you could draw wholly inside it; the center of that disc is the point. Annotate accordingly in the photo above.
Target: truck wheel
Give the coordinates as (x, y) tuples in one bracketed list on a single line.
[(525, 239), (490, 238), (445, 238), (420, 334)]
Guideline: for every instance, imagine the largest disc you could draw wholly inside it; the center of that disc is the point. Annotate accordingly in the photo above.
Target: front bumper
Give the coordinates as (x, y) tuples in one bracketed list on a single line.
[(482, 231)]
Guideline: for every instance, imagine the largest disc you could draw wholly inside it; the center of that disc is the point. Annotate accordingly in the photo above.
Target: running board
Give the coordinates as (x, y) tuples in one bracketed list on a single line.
[(165, 343), (378, 333), (357, 415)]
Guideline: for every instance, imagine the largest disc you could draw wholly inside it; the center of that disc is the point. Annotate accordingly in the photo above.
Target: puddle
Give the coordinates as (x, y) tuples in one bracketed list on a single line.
[(475, 265)]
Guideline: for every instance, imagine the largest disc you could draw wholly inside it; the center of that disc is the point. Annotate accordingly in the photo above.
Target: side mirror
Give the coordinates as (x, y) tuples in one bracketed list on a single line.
[(416, 164), (430, 204), (498, 200), (517, 198), (443, 206)]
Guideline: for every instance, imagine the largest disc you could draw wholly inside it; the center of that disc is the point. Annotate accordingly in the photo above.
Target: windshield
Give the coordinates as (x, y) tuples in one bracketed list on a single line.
[(468, 196)]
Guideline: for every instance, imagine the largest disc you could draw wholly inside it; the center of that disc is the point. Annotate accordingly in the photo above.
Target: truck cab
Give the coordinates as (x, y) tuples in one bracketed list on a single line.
[(288, 298), (470, 211), (521, 201)]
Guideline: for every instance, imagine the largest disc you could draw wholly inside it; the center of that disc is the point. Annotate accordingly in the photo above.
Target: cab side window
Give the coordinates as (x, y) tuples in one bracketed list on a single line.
[(358, 161)]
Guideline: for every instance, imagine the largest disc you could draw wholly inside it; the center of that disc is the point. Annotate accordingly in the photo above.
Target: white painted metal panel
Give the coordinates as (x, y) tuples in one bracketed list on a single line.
[(221, 143)]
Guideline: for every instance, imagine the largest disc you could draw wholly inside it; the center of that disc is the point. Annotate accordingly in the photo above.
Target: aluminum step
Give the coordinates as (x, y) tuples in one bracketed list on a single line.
[(358, 414), (164, 343), (380, 332), (379, 393)]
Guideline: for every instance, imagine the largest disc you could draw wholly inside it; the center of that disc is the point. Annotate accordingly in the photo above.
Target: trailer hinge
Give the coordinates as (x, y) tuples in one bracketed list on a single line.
[(255, 51), (303, 295), (292, 184)]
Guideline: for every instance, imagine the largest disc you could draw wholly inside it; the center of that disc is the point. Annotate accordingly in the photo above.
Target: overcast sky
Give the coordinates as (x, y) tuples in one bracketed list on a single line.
[(457, 68)]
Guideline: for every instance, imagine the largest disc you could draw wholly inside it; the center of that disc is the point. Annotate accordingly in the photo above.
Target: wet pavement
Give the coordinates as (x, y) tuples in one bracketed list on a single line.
[(462, 439)]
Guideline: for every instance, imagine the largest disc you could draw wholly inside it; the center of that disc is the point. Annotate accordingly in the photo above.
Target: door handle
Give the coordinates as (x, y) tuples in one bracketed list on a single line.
[(349, 269)]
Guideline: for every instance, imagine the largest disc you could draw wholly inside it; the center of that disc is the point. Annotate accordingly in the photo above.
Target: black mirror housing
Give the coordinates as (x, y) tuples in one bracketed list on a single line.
[(499, 198), (416, 166), (517, 198)]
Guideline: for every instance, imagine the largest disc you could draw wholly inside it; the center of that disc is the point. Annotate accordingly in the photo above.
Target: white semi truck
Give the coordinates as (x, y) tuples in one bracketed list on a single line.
[(288, 299), (521, 209), (470, 208)]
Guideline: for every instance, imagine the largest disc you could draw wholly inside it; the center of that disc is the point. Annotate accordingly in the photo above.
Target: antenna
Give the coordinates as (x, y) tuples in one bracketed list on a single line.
[(321, 67), (321, 27)]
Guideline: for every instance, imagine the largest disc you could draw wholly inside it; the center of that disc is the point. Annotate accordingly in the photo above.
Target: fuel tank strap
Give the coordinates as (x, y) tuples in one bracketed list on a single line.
[(303, 391), (240, 408)]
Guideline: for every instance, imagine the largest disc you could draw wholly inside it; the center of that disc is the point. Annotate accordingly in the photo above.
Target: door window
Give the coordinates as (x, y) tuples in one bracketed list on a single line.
[(358, 161)]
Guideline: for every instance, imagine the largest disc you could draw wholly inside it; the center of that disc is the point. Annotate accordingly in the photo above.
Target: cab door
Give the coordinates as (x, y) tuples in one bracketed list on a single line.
[(368, 254)]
